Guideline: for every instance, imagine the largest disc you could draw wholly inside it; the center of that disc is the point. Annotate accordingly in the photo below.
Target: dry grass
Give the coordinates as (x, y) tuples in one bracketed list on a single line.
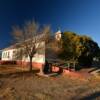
[(28, 86)]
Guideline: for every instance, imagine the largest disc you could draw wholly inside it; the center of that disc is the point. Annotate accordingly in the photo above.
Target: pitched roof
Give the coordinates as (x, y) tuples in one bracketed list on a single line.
[(14, 46)]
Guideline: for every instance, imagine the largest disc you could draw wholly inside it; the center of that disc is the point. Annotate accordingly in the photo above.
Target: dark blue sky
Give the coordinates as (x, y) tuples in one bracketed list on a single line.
[(80, 16)]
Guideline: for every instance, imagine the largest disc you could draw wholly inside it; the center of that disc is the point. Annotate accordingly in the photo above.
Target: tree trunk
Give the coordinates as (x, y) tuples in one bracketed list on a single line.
[(30, 69)]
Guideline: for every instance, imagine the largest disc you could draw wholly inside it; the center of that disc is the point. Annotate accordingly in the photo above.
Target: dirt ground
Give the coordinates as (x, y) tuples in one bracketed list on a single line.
[(19, 85)]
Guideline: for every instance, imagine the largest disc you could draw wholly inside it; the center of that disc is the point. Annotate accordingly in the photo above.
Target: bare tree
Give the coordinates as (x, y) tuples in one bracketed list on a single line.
[(28, 37)]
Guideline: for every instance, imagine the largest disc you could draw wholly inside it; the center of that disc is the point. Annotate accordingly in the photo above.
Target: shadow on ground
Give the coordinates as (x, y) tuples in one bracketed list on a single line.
[(93, 96)]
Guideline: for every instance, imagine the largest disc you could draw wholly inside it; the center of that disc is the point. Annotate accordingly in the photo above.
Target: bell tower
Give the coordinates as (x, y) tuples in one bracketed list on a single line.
[(58, 35)]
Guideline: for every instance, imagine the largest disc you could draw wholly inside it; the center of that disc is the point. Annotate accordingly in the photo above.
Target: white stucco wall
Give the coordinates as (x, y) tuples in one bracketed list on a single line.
[(39, 58), (8, 54)]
